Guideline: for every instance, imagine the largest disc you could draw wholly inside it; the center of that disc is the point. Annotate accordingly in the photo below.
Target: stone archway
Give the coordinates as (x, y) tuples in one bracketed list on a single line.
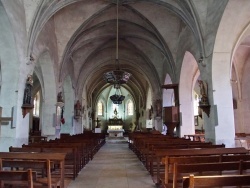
[(188, 77), (234, 24)]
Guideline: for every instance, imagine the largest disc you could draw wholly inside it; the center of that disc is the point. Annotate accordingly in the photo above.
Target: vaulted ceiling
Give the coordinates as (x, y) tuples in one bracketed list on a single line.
[(149, 32)]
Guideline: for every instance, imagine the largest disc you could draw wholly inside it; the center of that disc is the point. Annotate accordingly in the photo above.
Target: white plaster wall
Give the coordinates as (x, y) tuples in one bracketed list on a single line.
[(49, 100), (13, 42), (222, 93), (188, 72), (234, 21)]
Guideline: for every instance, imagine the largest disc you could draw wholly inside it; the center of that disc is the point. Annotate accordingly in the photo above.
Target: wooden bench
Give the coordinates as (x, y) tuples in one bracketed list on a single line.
[(40, 166), (216, 168), (26, 177), (158, 155), (216, 181), (72, 150), (170, 161), (159, 147), (57, 157)]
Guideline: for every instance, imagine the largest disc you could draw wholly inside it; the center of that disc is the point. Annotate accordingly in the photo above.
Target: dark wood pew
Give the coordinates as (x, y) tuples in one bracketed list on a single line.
[(195, 137), (25, 177), (55, 157), (33, 139), (161, 147), (72, 166), (216, 181)]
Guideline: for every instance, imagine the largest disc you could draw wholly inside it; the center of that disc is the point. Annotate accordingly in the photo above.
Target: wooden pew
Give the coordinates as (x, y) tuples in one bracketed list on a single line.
[(216, 181), (57, 157), (158, 155), (72, 150), (216, 168), (170, 161), (35, 165), (161, 147), (26, 177)]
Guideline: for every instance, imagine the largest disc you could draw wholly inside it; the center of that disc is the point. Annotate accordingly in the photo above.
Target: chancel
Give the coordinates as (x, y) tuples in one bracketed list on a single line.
[(115, 126)]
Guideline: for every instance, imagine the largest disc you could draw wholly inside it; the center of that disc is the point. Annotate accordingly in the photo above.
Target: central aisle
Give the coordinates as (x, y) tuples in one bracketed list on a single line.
[(114, 166)]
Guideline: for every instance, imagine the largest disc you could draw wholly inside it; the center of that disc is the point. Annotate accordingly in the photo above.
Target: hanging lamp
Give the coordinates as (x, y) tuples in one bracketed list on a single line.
[(117, 77)]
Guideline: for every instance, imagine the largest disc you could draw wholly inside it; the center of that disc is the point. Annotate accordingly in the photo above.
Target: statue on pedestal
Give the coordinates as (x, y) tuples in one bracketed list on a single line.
[(78, 109), (203, 93), (27, 98)]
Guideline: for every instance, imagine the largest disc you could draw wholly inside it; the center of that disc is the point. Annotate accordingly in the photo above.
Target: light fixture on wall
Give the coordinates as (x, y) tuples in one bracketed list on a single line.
[(117, 77)]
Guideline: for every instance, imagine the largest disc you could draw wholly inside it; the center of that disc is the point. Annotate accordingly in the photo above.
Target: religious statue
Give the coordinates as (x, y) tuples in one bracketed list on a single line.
[(27, 98), (203, 93), (115, 112), (78, 109), (59, 97)]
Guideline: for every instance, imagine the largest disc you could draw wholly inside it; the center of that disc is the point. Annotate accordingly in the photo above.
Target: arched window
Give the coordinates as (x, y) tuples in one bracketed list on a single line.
[(100, 108), (36, 103), (130, 108)]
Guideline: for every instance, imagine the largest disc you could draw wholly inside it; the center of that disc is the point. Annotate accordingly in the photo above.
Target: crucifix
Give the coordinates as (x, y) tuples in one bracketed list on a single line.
[(5, 120), (97, 121)]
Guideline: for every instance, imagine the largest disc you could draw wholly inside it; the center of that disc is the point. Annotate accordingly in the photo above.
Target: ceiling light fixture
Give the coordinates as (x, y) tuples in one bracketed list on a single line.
[(117, 77)]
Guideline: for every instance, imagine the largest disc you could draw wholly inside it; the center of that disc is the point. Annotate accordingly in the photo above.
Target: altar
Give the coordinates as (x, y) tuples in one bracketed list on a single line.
[(115, 130), (115, 126)]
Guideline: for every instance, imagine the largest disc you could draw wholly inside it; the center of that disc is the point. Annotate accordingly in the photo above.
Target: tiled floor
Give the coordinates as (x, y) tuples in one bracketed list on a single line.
[(114, 166)]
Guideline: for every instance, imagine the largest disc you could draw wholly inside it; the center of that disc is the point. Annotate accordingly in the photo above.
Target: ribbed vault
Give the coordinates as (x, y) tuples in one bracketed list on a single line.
[(148, 40)]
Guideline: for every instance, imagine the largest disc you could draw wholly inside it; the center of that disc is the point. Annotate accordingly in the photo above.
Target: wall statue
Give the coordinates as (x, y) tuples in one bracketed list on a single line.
[(78, 108), (27, 98), (203, 93), (60, 97)]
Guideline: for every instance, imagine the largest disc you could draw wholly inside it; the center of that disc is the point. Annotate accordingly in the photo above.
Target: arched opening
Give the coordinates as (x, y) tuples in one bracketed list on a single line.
[(188, 78), (100, 108), (130, 108)]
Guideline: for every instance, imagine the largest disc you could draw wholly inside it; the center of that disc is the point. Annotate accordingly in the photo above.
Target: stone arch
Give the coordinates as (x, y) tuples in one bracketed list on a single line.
[(240, 83), (189, 71), (48, 81), (69, 109), (235, 21)]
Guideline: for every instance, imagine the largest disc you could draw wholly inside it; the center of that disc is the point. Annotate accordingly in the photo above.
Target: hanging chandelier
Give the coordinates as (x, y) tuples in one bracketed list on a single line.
[(117, 77), (117, 98)]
